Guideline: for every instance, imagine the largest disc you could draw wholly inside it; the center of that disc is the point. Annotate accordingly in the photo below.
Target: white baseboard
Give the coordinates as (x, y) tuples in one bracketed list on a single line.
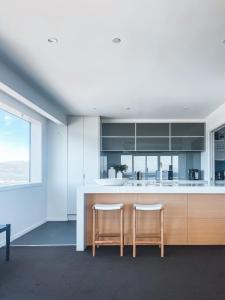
[(72, 217), (21, 233), (57, 219)]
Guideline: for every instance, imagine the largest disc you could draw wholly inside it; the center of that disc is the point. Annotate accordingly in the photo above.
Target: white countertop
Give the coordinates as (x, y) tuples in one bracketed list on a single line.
[(164, 189)]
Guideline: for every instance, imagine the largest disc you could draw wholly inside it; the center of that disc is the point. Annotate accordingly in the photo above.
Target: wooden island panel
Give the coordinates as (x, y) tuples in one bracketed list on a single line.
[(206, 231), (206, 219), (148, 222), (206, 206), (175, 231), (190, 219)]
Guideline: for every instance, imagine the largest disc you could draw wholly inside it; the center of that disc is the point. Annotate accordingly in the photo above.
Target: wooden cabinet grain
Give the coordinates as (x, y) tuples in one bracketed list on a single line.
[(190, 219)]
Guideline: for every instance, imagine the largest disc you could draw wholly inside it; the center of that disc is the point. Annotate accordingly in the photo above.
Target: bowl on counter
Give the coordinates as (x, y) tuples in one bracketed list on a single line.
[(111, 181)]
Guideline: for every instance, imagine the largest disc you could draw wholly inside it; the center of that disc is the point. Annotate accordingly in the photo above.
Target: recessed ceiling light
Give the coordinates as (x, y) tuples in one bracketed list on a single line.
[(53, 40), (116, 40)]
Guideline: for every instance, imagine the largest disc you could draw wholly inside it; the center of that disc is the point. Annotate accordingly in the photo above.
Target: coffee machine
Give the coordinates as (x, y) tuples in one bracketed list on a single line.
[(194, 174)]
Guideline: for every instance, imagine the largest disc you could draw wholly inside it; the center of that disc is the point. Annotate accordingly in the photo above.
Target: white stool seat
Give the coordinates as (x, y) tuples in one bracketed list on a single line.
[(114, 206), (156, 206)]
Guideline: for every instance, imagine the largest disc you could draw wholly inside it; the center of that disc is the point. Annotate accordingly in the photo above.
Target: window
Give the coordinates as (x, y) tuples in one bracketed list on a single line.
[(152, 165), (175, 163), (104, 171), (139, 163), (127, 160), (20, 148), (14, 149), (166, 161), (170, 160)]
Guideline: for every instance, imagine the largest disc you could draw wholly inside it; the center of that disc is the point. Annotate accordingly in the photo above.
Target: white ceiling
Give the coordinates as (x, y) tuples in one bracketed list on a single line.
[(171, 55)]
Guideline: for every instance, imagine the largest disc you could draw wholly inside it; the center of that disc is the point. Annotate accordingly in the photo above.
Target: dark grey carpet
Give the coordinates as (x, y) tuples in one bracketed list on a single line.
[(55, 273), (50, 233)]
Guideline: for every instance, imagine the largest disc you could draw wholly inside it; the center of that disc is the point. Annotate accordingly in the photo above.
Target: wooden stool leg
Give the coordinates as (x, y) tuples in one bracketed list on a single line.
[(121, 232), (162, 233), (93, 234), (134, 232), (97, 226)]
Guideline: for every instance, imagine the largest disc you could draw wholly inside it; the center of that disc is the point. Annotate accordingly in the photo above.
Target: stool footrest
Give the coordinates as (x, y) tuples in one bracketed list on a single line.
[(148, 243), (107, 242), (108, 235), (147, 236)]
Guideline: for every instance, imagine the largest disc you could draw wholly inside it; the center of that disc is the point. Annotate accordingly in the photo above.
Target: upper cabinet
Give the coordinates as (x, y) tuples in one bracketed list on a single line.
[(152, 129), (153, 137), (118, 144), (152, 144), (118, 129), (118, 137), (188, 129), (188, 136), (187, 144)]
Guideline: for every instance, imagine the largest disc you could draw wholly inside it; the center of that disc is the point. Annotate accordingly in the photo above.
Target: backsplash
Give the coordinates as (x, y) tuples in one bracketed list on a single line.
[(149, 163)]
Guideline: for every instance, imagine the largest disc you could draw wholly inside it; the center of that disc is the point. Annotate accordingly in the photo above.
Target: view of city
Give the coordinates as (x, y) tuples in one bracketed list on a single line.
[(14, 149)]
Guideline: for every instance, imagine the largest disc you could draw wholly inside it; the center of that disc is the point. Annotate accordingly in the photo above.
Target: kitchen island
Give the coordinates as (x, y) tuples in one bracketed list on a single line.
[(194, 215)]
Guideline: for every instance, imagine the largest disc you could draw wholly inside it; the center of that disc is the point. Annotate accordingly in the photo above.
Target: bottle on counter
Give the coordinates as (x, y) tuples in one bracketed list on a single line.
[(111, 173), (119, 175), (138, 175), (170, 172)]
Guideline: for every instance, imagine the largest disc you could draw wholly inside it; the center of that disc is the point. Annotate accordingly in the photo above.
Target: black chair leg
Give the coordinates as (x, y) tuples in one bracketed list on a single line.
[(8, 233)]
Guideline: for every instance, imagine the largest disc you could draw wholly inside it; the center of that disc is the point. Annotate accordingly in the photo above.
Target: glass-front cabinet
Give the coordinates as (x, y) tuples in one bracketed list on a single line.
[(118, 129), (118, 137), (152, 129), (118, 143), (153, 137), (143, 147), (187, 136), (187, 143), (152, 144)]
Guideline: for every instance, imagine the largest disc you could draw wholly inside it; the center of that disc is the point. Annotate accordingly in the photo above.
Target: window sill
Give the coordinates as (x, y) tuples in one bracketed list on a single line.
[(19, 186)]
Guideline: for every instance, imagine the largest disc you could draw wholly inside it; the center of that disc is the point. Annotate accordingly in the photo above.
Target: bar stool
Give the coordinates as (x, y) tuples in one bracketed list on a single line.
[(96, 235), (159, 237)]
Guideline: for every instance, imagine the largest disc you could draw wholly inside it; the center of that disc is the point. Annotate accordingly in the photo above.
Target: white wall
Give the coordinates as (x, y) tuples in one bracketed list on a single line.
[(56, 172), (25, 206), (83, 155)]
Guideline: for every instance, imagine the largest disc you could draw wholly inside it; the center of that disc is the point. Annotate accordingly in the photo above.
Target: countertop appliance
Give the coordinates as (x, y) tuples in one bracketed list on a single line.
[(139, 175), (170, 172), (194, 174), (220, 175)]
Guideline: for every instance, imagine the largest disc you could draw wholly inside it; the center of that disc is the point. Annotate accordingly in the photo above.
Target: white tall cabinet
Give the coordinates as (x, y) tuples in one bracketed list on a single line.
[(83, 155)]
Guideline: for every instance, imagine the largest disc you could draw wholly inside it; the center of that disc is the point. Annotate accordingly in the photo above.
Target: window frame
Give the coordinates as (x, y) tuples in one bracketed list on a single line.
[(35, 133)]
